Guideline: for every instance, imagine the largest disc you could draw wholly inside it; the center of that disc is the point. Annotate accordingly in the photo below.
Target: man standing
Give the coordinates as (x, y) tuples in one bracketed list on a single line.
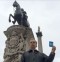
[(33, 55)]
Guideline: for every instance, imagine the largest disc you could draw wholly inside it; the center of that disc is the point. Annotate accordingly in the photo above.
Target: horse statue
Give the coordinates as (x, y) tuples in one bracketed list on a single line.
[(20, 15)]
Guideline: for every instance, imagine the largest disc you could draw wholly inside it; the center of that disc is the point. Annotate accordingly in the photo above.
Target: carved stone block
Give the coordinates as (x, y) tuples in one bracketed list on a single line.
[(17, 42)]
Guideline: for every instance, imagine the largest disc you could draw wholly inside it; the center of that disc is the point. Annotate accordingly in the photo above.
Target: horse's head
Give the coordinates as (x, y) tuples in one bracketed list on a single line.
[(15, 4)]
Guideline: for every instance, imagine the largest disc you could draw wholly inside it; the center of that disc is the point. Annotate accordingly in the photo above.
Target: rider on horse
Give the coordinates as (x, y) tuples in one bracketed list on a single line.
[(20, 15)]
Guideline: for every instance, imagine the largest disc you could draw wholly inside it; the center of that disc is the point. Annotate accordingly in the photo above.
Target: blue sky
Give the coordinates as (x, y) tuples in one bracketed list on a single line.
[(43, 13)]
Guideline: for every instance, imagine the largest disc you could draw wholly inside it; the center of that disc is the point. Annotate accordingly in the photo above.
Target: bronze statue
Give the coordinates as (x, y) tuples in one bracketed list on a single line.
[(20, 15)]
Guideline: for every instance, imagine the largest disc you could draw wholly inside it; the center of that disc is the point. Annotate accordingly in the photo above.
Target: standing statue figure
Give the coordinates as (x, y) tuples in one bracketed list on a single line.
[(20, 15)]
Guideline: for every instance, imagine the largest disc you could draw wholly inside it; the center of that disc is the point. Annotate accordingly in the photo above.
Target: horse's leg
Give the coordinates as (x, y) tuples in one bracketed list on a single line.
[(14, 21), (13, 18), (10, 18)]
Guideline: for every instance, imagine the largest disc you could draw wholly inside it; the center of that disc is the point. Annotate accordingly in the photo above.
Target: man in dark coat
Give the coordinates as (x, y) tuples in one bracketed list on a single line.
[(33, 55)]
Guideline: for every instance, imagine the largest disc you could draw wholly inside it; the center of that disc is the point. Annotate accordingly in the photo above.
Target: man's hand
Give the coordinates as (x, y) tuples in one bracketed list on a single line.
[(53, 49)]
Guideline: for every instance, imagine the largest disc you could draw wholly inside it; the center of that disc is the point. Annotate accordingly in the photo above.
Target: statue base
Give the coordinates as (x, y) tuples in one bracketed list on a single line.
[(17, 42)]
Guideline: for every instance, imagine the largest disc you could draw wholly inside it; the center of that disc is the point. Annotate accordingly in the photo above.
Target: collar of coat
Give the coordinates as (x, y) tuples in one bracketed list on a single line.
[(35, 51)]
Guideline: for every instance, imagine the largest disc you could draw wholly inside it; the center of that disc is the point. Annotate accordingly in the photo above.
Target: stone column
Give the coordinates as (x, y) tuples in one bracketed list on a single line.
[(39, 35)]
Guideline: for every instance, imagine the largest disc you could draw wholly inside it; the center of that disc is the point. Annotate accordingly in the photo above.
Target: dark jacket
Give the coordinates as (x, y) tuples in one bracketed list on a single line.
[(36, 56)]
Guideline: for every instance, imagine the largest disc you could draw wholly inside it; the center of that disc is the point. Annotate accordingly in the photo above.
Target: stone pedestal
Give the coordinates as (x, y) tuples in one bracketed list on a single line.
[(17, 42)]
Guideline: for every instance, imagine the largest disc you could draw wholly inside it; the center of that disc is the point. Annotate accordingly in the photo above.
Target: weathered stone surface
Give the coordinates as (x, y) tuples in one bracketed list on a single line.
[(17, 42)]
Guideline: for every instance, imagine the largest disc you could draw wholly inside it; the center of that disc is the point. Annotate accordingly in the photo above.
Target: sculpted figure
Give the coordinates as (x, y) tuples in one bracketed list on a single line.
[(20, 15)]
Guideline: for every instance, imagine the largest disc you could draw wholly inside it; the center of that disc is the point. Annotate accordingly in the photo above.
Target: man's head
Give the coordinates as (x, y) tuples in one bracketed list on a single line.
[(33, 43)]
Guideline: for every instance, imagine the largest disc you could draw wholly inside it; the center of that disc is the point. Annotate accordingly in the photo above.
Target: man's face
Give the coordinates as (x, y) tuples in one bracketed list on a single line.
[(33, 44)]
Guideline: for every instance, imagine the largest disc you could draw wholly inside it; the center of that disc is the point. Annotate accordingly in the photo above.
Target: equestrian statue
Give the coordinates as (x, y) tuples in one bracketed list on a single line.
[(20, 15)]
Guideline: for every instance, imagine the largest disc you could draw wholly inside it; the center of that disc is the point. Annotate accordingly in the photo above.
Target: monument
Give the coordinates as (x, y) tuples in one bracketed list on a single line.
[(39, 35), (18, 36)]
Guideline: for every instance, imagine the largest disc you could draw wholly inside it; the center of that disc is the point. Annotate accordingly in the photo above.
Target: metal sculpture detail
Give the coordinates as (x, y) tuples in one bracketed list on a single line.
[(20, 15)]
